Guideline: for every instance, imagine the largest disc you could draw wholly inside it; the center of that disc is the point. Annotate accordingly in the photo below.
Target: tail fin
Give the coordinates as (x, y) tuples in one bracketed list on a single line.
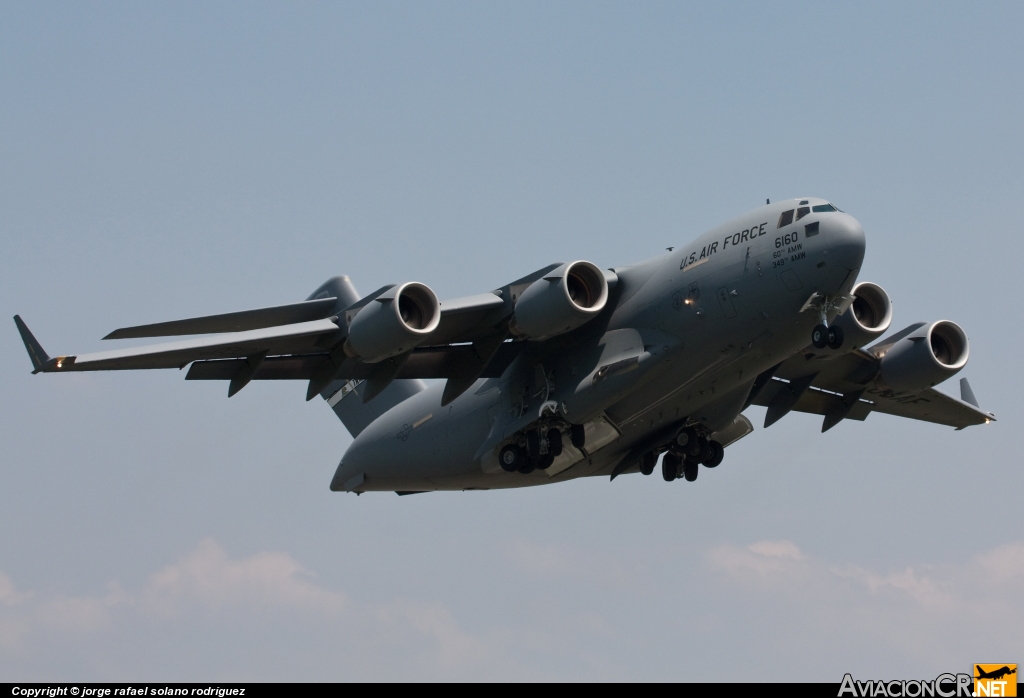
[(345, 397), (339, 287)]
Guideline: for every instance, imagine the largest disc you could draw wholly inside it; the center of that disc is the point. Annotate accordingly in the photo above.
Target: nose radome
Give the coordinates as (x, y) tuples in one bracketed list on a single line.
[(844, 236)]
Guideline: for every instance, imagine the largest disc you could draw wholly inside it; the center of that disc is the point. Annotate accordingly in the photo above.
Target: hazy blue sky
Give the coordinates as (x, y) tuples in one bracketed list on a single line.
[(165, 160)]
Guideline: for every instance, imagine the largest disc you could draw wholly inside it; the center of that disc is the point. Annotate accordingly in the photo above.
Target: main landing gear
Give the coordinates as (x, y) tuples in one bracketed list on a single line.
[(537, 452), (687, 452)]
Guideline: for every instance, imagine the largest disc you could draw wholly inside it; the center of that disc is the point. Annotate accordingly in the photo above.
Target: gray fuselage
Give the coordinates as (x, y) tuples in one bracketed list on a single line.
[(697, 325)]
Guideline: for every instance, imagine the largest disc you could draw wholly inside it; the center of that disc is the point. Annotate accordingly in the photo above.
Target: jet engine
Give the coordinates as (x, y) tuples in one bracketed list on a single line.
[(927, 356), (393, 323), (867, 317), (563, 300)]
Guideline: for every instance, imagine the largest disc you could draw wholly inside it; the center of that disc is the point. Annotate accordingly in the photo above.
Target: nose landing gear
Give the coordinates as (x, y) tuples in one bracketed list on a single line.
[(822, 335), (835, 337)]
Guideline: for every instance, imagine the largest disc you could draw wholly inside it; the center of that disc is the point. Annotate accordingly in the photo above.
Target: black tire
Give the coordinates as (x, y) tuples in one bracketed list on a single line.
[(555, 442), (647, 462), (819, 336), (545, 461), (533, 443), (528, 466), (578, 435), (690, 470), (511, 457), (705, 451), (717, 454), (693, 449), (835, 337), (670, 466)]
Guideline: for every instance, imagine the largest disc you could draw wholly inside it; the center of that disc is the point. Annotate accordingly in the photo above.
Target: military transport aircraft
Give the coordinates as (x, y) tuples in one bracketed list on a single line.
[(576, 371)]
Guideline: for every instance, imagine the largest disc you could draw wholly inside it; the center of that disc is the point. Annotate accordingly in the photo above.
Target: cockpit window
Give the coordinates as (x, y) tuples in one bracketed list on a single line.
[(786, 218), (802, 211), (824, 208)]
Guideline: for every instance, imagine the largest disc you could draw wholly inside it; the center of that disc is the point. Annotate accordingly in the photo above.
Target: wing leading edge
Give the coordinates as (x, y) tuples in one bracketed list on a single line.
[(304, 341)]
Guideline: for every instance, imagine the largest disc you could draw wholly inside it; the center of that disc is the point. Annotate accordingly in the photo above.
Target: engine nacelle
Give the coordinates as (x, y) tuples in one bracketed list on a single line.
[(867, 317), (393, 323), (561, 301), (925, 357)]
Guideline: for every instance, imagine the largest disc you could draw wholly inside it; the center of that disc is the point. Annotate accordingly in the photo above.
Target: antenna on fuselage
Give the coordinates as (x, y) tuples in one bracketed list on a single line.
[(767, 201)]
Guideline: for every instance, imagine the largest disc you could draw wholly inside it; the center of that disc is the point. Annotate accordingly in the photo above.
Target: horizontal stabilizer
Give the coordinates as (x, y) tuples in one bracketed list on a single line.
[(240, 321), (35, 350)]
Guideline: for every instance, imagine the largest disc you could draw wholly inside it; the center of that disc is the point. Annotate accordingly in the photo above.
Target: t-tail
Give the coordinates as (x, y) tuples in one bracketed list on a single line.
[(345, 396)]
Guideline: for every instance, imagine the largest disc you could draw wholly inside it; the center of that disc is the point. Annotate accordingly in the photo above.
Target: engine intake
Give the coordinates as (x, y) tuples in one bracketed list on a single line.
[(926, 357), (867, 317), (395, 322), (561, 301)]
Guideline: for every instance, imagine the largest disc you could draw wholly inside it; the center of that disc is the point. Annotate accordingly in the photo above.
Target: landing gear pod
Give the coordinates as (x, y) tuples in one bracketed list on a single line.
[(926, 357), (560, 302), (867, 317), (393, 323)]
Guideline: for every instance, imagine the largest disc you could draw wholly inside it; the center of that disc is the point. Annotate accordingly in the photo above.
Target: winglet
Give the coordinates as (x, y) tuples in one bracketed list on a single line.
[(966, 394), (35, 350)]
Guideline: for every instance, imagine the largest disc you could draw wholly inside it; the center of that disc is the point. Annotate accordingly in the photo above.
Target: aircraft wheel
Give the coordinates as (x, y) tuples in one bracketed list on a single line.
[(554, 442), (705, 451), (533, 444), (545, 461), (686, 437), (647, 462), (528, 466), (578, 435), (670, 466), (693, 448), (835, 337), (717, 454), (690, 470), (819, 336), (511, 458)]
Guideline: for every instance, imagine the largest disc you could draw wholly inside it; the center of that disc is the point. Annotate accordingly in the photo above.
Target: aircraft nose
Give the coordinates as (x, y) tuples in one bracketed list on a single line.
[(844, 236)]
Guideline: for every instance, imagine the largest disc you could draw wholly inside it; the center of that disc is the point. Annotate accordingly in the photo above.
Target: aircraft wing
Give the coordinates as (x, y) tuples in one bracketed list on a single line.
[(845, 387), (468, 319), (306, 341), (241, 321), (288, 339)]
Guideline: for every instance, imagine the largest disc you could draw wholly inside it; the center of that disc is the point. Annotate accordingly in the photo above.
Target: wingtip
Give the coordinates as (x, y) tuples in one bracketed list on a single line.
[(35, 350)]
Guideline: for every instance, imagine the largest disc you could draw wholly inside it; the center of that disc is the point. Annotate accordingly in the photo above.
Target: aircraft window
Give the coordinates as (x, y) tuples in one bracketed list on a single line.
[(804, 202), (802, 211), (825, 208), (786, 218)]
